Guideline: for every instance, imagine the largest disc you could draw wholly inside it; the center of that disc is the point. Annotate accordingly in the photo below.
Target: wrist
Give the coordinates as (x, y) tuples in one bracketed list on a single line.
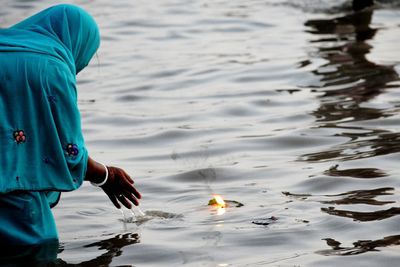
[(104, 181), (96, 172)]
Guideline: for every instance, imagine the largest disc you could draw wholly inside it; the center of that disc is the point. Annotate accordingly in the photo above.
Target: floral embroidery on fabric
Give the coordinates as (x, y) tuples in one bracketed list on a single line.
[(72, 150), (19, 136), (52, 98)]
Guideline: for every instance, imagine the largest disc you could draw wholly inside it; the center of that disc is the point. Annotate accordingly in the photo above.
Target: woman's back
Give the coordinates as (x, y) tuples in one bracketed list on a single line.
[(39, 119)]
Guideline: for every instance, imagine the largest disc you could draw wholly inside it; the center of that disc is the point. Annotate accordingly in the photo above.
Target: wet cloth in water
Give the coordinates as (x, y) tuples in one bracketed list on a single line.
[(26, 218), (41, 139)]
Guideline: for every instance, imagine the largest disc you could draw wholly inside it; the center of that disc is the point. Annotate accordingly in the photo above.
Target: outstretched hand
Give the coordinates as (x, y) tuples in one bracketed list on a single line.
[(120, 189)]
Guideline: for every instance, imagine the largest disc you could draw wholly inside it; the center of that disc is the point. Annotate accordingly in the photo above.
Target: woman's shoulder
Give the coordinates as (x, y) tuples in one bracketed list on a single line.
[(50, 68)]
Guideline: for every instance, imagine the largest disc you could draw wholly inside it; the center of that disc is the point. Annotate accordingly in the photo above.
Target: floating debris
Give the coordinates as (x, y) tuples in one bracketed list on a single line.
[(233, 203), (265, 221)]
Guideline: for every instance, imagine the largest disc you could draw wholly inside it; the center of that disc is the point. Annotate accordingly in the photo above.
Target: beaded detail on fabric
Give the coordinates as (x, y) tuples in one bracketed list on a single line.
[(19, 136), (52, 98), (72, 150)]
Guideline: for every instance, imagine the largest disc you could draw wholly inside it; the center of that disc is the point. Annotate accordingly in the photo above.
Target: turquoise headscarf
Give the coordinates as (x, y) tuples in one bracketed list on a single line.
[(42, 147)]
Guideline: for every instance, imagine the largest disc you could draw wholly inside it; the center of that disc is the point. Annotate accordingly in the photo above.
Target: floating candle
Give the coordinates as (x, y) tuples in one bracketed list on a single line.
[(217, 201)]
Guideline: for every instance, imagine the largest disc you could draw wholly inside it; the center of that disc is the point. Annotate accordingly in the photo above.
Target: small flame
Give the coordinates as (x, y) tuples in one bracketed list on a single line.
[(219, 201)]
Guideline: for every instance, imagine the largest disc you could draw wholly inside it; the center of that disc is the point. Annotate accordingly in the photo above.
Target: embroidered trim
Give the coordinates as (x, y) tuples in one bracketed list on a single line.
[(72, 150), (19, 136)]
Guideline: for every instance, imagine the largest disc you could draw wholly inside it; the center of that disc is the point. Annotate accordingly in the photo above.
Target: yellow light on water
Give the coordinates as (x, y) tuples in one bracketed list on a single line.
[(219, 201)]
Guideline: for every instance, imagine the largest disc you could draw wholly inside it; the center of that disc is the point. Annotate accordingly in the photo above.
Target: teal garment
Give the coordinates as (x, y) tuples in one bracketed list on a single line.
[(40, 130), (41, 255), (26, 219), (43, 150)]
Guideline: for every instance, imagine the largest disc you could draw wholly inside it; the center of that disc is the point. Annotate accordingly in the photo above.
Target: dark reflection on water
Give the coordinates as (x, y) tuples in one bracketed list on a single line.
[(351, 197), (362, 197), (359, 247), (113, 248), (346, 81), (356, 172), (383, 143), (363, 216)]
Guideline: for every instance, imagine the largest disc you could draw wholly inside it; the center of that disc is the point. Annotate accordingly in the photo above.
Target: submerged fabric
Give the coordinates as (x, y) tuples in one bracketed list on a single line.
[(40, 132), (26, 219), (39, 255)]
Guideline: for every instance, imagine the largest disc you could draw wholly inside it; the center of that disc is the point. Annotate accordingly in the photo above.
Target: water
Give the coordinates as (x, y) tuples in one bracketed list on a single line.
[(258, 101)]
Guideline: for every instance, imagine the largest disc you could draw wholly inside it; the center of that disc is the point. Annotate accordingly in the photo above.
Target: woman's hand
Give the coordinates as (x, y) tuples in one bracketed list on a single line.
[(119, 186), (120, 189)]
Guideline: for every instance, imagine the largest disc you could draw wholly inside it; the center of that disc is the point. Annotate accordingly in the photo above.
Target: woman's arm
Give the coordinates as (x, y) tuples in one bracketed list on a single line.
[(118, 187)]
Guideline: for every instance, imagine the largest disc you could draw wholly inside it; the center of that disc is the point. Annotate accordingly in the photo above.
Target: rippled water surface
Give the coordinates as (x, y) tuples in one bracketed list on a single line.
[(288, 107)]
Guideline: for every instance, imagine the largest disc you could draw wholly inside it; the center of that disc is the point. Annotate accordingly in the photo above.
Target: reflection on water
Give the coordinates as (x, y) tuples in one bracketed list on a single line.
[(111, 248), (346, 81), (377, 143), (356, 172), (363, 216), (353, 197), (359, 247)]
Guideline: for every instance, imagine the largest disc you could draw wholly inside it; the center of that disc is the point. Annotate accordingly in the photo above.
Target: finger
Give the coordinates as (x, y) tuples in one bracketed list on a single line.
[(136, 193), (124, 201), (129, 196), (114, 200), (128, 178), (133, 190)]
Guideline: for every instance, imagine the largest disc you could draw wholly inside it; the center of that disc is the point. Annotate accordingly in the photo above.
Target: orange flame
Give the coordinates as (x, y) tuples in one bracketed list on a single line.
[(219, 202)]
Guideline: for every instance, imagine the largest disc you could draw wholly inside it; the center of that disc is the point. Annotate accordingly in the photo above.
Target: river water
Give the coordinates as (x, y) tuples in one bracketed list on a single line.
[(291, 108)]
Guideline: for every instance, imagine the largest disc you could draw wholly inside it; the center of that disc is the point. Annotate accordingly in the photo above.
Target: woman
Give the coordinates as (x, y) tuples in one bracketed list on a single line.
[(43, 150)]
